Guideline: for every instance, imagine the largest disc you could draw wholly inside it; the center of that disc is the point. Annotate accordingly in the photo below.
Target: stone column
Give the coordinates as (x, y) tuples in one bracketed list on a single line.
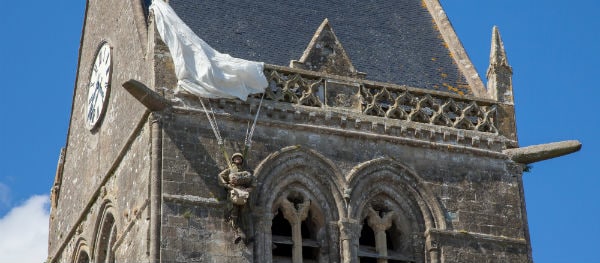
[(348, 235), (433, 249), (295, 214), (262, 234), (379, 226)]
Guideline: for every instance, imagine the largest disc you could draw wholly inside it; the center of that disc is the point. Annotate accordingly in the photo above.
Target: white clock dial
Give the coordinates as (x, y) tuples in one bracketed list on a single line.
[(99, 87)]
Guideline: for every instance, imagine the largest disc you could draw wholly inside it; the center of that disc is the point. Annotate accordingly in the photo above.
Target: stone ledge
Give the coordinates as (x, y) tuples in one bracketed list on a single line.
[(353, 124), (437, 233), (193, 199)]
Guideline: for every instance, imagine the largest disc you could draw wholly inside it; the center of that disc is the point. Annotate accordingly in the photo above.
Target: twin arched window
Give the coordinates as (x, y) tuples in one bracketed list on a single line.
[(310, 212), (297, 222)]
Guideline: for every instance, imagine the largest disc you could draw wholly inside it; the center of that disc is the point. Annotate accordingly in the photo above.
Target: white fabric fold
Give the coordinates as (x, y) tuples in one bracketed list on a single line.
[(199, 68)]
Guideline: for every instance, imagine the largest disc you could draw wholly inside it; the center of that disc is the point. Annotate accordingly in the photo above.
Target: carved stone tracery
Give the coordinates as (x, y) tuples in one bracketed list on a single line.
[(393, 102), (295, 213), (380, 224), (296, 186), (299, 181)]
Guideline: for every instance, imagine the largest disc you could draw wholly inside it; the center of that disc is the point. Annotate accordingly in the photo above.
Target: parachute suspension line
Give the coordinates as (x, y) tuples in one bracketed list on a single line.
[(213, 124), (212, 112), (247, 130), (248, 140)]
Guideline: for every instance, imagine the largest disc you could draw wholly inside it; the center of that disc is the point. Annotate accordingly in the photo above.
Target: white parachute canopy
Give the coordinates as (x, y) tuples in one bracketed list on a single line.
[(200, 69)]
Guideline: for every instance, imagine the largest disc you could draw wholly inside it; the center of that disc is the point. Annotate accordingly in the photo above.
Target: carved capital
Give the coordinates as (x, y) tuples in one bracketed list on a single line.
[(380, 224), (295, 213)]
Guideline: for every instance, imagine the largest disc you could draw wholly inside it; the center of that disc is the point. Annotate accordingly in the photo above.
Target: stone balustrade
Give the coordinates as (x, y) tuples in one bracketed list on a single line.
[(372, 98)]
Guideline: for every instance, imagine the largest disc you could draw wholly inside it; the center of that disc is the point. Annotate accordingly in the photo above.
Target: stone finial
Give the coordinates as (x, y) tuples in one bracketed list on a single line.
[(326, 54), (497, 52), (499, 73)]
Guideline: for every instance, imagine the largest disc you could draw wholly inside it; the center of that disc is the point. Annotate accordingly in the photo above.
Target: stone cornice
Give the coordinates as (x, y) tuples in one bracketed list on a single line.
[(347, 106), (437, 233), (347, 123)]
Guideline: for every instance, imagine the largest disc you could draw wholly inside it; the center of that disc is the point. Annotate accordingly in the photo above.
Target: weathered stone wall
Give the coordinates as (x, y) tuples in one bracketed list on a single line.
[(478, 192), (194, 208), (471, 247), (93, 156), (125, 196)]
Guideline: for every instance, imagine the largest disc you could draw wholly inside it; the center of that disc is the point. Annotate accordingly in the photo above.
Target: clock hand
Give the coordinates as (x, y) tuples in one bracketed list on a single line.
[(91, 113), (100, 90), (92, 99)]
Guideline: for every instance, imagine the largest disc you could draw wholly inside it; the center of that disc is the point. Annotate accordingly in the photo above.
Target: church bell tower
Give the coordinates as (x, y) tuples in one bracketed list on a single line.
[(372, 140)]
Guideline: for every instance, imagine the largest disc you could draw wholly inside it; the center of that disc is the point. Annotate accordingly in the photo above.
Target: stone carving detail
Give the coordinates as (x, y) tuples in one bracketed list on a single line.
[(427, 108), (379, 226), (389, 102), (294, 88), (295, 213)]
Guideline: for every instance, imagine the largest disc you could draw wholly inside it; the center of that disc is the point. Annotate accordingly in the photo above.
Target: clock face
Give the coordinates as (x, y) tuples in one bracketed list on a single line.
[(99, 87)]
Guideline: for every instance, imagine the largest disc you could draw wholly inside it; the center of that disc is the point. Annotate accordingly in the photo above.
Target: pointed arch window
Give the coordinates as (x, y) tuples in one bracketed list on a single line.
[(106, 237), (81, 255), (380, 239), (82, 258), (294, 230)]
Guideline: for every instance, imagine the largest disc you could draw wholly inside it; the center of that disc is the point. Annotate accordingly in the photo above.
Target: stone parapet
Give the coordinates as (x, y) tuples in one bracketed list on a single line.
[(372, 98), (331, 103)]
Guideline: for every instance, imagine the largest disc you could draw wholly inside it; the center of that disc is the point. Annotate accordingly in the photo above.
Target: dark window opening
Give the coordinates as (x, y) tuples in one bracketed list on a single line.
[(389, 238), (282, 237), (305, 229), (282, 250), (367, 236), (310, 253), (83, 257), (281, 231), (280, 226), (367, 253), (310, 249), (106, 240), (367, 260)]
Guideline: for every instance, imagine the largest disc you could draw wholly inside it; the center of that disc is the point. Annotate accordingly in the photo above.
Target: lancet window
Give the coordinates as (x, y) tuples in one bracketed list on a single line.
[(294, 230), (83, 258), (380, 239), (105, 240), (81, 255)]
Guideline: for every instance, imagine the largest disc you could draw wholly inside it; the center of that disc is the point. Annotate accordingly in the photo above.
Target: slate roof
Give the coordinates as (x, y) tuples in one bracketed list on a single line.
[(393, 41)]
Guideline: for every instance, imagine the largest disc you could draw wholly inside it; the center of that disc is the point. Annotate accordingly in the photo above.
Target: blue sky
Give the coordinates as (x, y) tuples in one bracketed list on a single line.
[(551, 45)]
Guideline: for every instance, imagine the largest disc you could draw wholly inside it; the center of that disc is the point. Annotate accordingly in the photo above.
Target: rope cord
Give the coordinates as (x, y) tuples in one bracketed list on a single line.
[(248, 141), (255, 119), (212, 124), (212, 112), (247, 131), (212, 120)]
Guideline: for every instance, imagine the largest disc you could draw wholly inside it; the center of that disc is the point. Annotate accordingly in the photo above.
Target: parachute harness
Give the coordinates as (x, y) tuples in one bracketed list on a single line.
[(210, 115)]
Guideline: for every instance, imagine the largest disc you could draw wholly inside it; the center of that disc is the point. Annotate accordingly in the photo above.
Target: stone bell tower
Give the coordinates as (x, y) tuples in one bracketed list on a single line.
[(375, 141)]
